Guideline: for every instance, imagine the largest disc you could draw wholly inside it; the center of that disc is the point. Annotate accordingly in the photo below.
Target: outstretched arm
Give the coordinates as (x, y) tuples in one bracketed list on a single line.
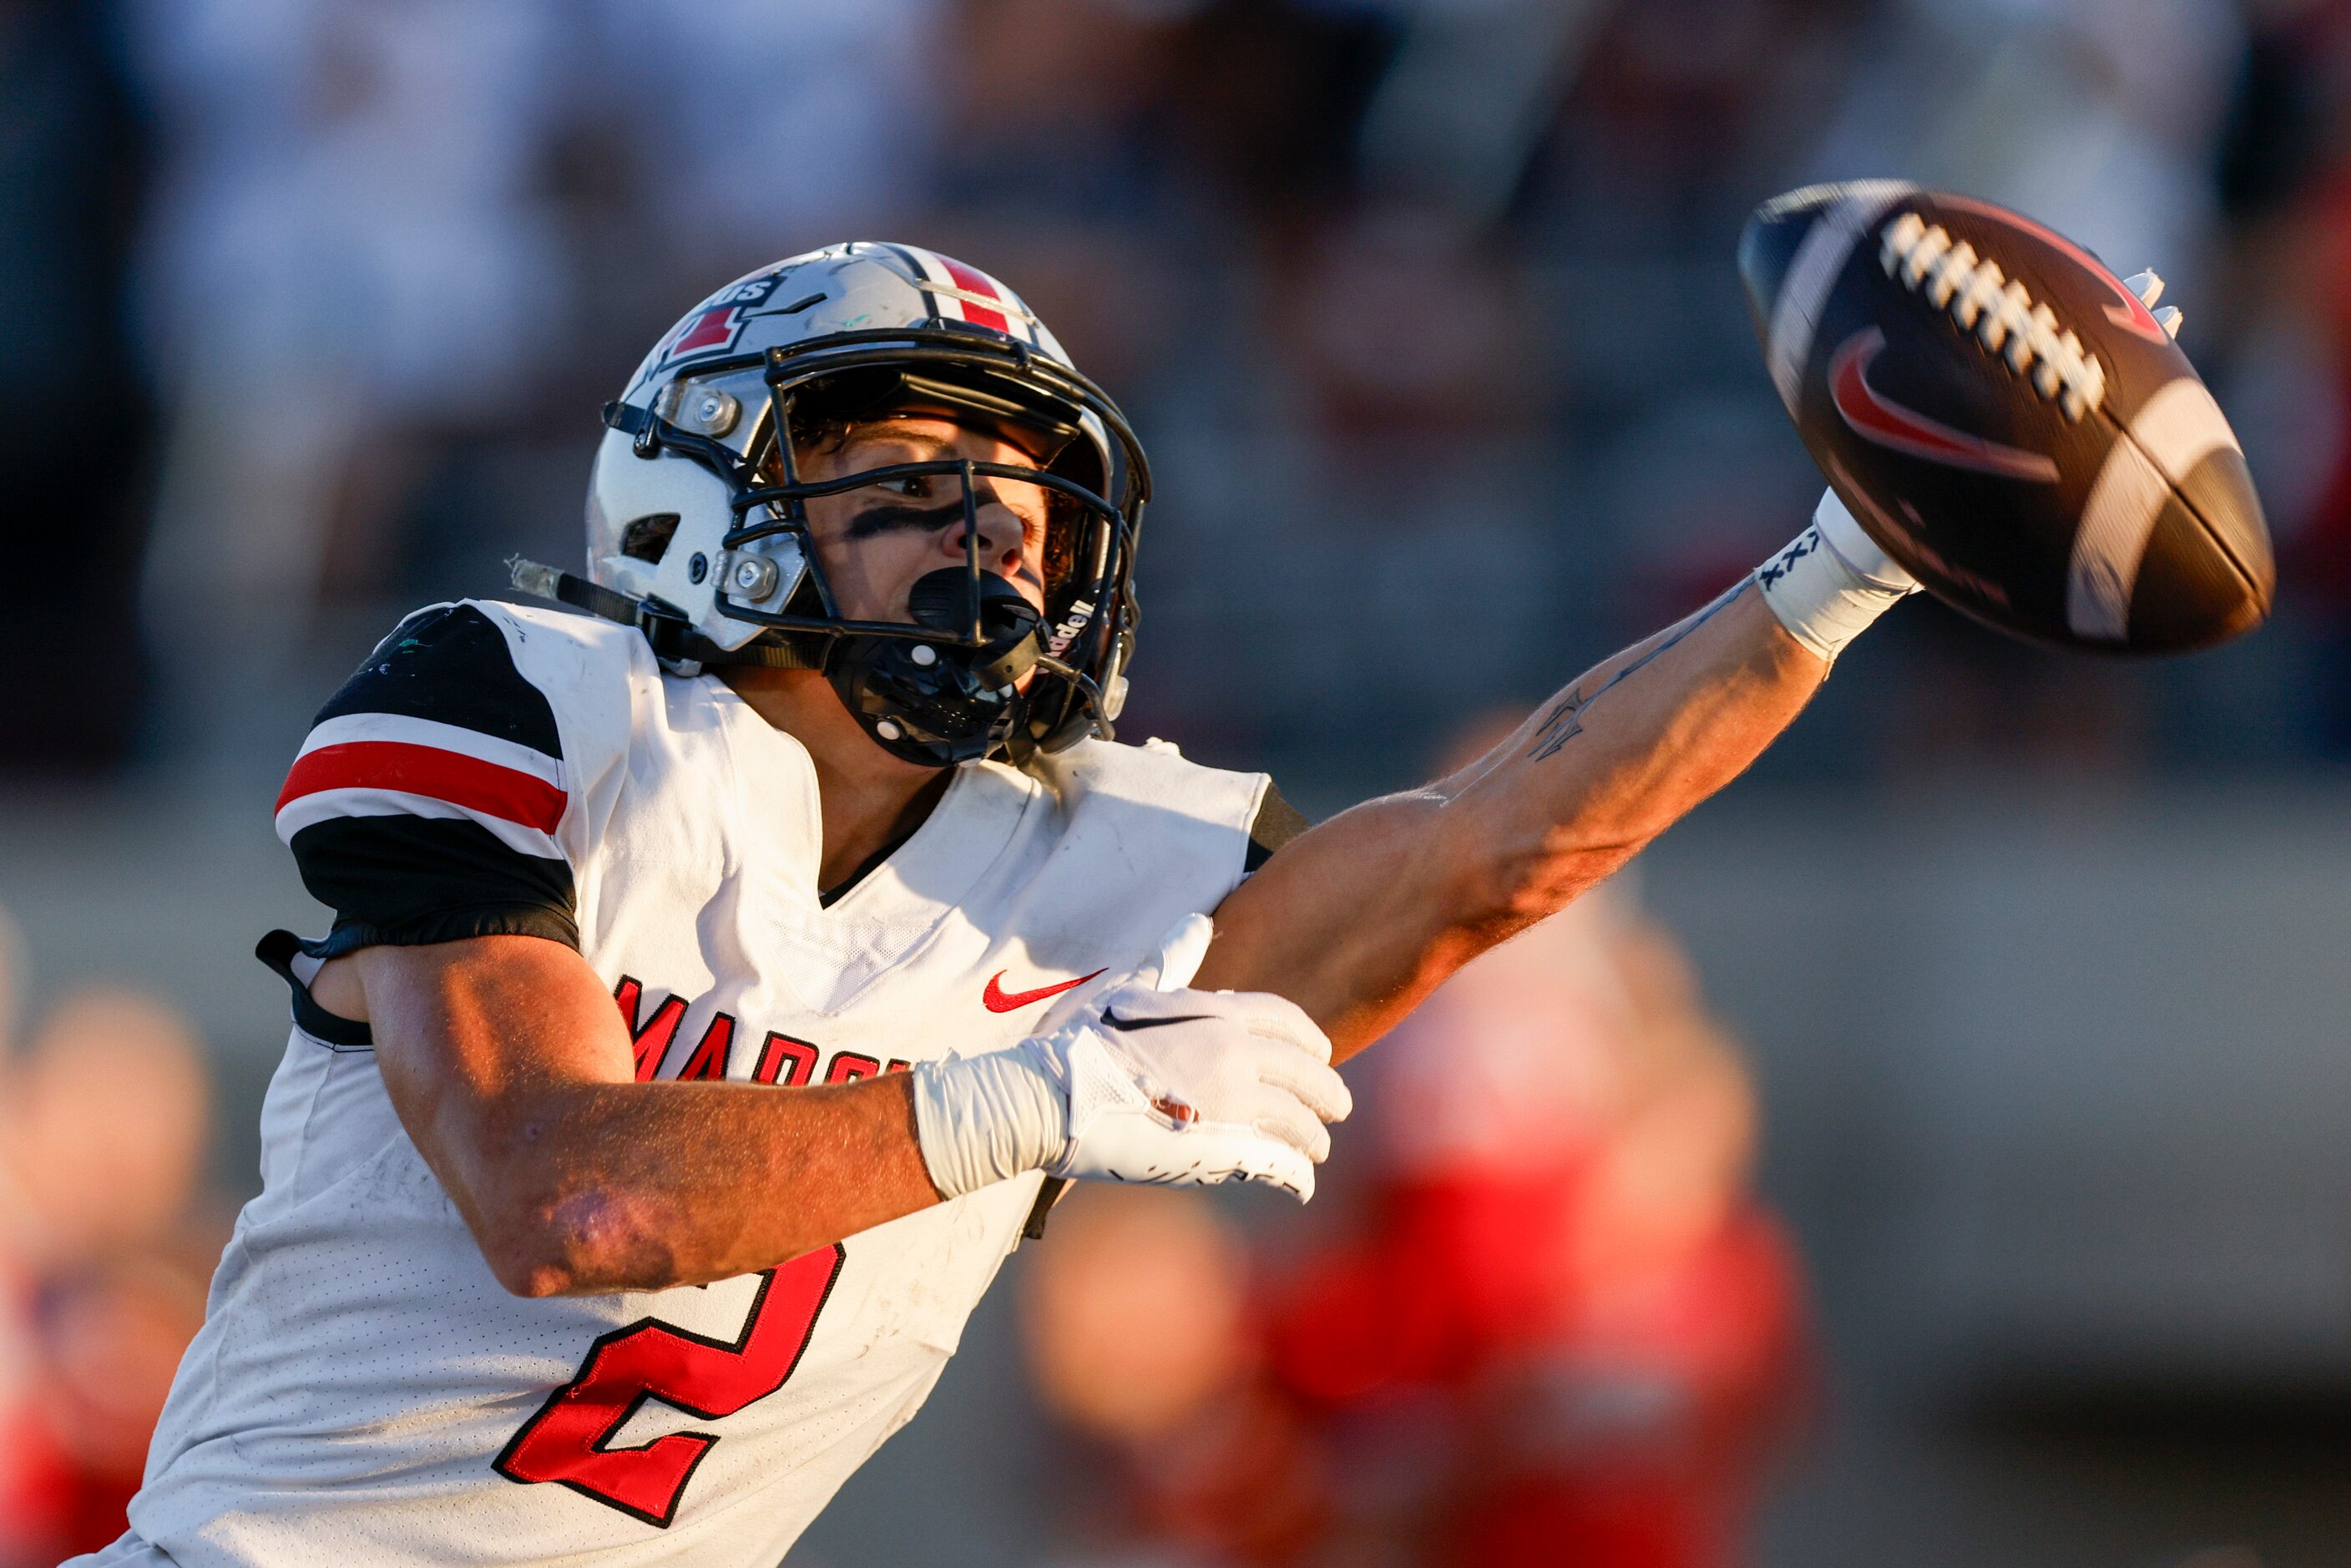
[(1358, 919)]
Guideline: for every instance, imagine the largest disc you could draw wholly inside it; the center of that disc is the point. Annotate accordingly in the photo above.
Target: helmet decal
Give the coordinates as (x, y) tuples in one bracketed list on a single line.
[(713, 326), (962, 293)]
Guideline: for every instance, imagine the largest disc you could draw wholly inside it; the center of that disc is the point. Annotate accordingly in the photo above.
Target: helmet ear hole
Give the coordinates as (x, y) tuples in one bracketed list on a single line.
[(1064, 522), (647, 537), (1077, 460)]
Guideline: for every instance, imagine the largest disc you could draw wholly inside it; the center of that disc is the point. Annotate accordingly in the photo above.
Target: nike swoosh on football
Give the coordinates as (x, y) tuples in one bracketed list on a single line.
[(996, 1000), (1875, 418)]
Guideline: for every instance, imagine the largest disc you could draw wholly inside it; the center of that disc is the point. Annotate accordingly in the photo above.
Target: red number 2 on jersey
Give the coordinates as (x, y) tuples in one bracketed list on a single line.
[(652, 1360)]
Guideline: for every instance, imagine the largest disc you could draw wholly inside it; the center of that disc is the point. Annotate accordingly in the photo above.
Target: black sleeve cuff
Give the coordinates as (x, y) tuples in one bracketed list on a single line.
[(332, 1030), (338, 1033), (448, 925), (1278, 821)]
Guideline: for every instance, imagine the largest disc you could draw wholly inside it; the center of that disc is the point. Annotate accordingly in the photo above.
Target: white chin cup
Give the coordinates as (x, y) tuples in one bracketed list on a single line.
[(1164, 1087), (1832, 580)]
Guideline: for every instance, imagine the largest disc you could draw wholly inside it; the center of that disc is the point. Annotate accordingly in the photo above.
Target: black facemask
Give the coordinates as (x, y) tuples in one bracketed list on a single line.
[(945, 702)]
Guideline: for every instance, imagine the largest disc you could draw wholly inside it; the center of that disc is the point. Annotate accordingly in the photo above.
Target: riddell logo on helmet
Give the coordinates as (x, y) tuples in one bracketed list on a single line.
[(1075, 622)]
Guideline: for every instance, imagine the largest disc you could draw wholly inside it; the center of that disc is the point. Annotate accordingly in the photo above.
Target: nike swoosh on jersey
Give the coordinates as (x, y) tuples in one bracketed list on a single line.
[(996, 1000), (1875, 418)]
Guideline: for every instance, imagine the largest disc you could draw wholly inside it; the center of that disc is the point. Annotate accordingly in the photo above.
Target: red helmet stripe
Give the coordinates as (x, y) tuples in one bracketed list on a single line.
[(971, 280)]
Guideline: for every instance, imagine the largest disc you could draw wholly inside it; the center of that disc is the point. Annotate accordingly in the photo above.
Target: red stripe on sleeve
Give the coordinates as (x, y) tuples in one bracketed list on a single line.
[(450, 776), (971, 280)]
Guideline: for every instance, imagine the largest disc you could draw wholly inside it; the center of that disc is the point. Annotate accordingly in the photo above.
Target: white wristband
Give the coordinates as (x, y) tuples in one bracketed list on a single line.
[(1831, 581), (985, 1119)]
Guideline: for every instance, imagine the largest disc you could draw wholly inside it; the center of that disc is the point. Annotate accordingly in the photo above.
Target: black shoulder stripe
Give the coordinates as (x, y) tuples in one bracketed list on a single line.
[(450, 665), (1278, 821), (409, 874)]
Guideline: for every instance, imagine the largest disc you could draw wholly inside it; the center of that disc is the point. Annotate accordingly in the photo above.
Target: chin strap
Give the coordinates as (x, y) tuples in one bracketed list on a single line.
[(664, 629)]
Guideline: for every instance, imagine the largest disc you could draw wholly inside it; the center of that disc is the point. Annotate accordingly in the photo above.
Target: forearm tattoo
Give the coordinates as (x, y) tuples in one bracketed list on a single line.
[(1565, 720)]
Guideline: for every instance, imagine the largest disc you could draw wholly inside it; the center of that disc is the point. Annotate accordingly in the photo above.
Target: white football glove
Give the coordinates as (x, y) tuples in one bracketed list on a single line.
[(2150, 288), (1195, 1087), (1145, 1082)]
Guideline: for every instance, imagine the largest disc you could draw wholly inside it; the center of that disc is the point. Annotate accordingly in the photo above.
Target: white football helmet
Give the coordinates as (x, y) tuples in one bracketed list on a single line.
[(696, 531)]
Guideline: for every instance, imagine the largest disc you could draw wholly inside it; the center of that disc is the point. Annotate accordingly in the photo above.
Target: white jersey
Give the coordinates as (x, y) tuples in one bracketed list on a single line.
[(363, 1389)]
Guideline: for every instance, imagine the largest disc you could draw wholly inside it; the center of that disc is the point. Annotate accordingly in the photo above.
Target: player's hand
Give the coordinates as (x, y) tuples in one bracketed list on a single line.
[(1194, 1088), (1140, 1081), (2150, 288), (1849, 547)]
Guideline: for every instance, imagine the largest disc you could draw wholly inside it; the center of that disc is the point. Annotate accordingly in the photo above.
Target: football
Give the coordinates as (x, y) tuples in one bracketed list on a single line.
[(2007, 418)]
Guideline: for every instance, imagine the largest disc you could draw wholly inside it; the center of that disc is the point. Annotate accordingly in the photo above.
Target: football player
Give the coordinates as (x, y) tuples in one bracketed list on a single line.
[(721, 980)]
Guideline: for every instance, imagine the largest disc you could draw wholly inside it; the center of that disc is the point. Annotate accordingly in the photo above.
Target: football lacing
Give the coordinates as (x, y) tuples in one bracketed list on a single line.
[(1998, 310)]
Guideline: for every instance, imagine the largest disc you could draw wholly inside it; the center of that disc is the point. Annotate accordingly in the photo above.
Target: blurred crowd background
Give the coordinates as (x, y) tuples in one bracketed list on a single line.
[(1427, 314)]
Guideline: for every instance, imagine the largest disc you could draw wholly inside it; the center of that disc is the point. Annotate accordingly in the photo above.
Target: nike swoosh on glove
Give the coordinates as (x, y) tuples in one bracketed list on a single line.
[(1194, 1088)]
